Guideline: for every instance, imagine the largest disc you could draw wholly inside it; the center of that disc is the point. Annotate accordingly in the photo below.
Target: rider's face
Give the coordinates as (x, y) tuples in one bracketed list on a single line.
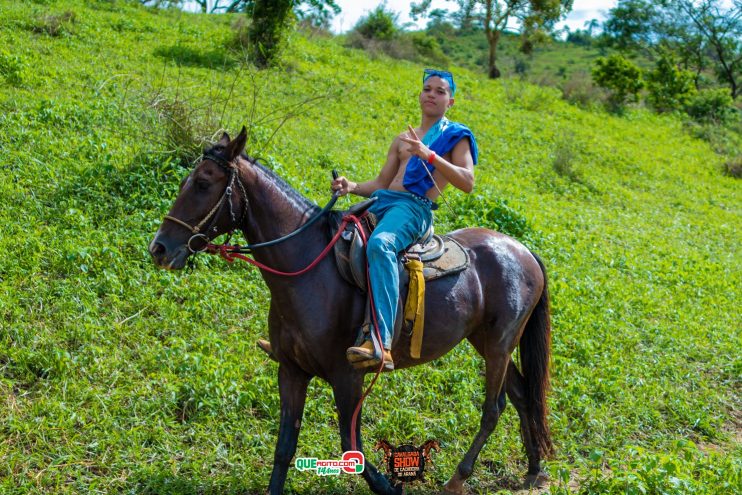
[(435, 98)]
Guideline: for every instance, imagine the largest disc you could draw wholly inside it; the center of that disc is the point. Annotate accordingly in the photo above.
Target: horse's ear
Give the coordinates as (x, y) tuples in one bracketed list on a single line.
[(234, 148), (224, 140)]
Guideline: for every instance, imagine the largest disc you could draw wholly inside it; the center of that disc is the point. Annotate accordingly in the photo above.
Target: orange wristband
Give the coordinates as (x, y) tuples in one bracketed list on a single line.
[(431, 158)]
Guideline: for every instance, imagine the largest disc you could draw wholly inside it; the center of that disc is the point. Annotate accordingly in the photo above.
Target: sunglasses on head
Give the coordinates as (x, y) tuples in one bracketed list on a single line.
[(436, 72)]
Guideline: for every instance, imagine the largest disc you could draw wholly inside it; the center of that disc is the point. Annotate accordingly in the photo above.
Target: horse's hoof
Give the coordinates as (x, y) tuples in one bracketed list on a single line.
[(450, 489), (539, 480)]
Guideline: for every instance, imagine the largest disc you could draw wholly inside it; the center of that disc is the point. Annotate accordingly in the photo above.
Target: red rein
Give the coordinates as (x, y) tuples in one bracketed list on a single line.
[(228, 253)]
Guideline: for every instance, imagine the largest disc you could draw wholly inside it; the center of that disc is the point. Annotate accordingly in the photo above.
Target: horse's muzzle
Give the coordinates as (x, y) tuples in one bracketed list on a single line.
[(166, 256)]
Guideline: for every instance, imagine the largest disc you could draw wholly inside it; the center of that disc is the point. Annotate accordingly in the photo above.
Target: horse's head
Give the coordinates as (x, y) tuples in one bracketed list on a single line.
[(211, 202)]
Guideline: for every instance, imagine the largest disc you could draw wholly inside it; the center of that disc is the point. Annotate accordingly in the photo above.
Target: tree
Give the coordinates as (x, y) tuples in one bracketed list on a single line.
[(721, 30), (270, 21), (619, 75), (702, 33), (670, 87), (631, 24), (534, 17)]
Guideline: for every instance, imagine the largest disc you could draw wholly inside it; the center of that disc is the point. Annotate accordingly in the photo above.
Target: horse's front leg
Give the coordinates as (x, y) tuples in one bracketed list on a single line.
[(292, 385), (347, 389)]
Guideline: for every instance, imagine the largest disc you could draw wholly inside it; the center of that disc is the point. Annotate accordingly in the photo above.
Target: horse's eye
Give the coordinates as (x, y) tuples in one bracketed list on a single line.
[(202, 185)]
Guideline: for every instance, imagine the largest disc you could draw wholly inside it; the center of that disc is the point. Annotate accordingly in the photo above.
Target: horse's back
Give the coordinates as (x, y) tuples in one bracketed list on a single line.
[(499, 290), (507, 270)]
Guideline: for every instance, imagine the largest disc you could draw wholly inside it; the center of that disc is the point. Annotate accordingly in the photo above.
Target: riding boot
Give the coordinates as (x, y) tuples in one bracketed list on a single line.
[(367, 355)]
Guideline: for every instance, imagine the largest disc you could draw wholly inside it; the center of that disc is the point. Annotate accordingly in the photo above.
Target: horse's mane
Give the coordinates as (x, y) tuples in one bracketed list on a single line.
[(271, 176)]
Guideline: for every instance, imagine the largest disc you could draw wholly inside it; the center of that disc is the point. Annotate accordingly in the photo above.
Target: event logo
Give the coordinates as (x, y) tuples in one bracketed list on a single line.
[(352, 462), (407, 463)]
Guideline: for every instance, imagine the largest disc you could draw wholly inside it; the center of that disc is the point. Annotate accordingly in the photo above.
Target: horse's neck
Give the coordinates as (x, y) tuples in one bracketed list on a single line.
[(276, 210)]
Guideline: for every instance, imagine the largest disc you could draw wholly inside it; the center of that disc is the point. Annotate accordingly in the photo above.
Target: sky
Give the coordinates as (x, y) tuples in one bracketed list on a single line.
[(352, 10)]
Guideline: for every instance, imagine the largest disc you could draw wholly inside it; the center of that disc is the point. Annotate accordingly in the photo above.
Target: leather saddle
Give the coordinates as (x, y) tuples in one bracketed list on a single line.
[(440, 255)]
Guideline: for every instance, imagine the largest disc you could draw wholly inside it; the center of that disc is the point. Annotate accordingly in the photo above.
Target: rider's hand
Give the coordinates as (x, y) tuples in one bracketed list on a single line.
[(416, 145), (342, 185)]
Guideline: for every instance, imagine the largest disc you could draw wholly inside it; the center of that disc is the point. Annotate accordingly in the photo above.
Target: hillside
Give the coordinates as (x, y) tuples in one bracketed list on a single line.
[(121, 378)]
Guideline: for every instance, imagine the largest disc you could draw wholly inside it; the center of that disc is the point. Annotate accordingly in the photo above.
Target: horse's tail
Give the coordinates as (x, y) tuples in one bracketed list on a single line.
[(535, 349)]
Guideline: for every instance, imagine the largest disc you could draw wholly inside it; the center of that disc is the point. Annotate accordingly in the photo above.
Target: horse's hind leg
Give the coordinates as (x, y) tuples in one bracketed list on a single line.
[(515, 385), (497, 357), (292, 385), (347, 390)]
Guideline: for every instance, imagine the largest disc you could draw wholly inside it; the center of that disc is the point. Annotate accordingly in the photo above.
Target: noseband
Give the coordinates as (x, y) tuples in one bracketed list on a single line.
[(226, 197)]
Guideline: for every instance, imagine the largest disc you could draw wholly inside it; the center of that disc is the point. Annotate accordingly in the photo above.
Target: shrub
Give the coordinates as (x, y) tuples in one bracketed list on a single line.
[(375, 38), (181, 129), (620, 76), (713, 106), (581, 91), (55, 25), (521, 67), (379, 24), (563, 161), (670, 87), (428, 48), (733, 167), (11, 68)]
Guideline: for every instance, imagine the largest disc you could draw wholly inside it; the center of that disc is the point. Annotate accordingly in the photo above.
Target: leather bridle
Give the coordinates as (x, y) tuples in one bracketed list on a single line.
[(213, 214)]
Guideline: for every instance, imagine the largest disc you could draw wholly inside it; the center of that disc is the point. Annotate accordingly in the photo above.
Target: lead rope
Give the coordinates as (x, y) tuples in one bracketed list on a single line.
[(229, 253), (435, 184), (356, 412)]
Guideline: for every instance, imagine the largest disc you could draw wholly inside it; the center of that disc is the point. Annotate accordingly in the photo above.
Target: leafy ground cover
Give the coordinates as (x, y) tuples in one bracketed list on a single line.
[(119, 378)]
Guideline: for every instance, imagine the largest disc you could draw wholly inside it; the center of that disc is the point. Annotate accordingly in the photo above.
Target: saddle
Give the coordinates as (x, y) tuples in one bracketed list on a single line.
[(432, 257)]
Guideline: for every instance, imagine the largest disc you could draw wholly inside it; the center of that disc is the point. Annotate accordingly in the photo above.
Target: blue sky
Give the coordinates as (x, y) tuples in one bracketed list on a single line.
[(352, 10)]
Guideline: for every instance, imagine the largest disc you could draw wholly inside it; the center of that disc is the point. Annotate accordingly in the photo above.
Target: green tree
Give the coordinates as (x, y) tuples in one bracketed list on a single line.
[(670, 87), (721, 31), (620, 76), (380, 24), (535, 18), (630, 24), (702, 34), (712, 106), (270, 20)]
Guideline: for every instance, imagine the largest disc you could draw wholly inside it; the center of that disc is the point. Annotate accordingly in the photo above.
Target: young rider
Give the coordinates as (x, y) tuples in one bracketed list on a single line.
[(415, 173)]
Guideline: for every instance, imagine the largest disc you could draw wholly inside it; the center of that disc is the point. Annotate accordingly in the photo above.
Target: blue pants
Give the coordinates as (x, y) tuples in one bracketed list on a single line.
[(403, 218)]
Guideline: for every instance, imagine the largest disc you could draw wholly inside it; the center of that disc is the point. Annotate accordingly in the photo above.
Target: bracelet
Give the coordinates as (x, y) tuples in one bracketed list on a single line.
[(431, 158)]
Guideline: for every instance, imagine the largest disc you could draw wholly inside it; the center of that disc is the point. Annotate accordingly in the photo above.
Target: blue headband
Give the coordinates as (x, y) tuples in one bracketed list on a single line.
[(443, 74)]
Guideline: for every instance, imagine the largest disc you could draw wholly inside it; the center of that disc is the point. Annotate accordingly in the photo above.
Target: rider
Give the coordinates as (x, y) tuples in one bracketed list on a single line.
[(415, 173)]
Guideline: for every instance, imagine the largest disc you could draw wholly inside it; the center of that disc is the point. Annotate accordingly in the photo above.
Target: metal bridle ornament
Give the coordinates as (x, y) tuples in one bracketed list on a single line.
[(226, 197)]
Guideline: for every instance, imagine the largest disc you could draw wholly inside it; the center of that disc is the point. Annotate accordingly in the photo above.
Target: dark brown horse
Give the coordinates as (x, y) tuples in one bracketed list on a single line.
[(500, 302)]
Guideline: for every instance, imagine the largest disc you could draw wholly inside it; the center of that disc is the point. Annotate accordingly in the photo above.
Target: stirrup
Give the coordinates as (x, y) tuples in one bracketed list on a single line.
[(373, 364)]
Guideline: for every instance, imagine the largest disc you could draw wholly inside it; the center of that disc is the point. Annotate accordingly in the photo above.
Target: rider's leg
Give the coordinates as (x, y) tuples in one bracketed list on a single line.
[(401, 221)]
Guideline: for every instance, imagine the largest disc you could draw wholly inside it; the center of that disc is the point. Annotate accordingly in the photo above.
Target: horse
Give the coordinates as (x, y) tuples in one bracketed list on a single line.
[(499, 302)]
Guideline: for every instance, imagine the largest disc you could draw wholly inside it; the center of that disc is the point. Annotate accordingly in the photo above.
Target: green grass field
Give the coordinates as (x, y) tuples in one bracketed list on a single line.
[(116, 377)]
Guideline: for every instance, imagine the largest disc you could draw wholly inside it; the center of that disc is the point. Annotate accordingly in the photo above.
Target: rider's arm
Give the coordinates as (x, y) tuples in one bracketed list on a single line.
[(459, 172), (384, 179)]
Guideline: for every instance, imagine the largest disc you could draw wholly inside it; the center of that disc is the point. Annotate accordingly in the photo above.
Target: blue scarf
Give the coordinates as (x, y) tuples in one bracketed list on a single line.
[(441, 138)]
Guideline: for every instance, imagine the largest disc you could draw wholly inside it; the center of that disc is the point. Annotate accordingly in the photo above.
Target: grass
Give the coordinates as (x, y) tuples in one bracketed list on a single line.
[(116, 377)]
